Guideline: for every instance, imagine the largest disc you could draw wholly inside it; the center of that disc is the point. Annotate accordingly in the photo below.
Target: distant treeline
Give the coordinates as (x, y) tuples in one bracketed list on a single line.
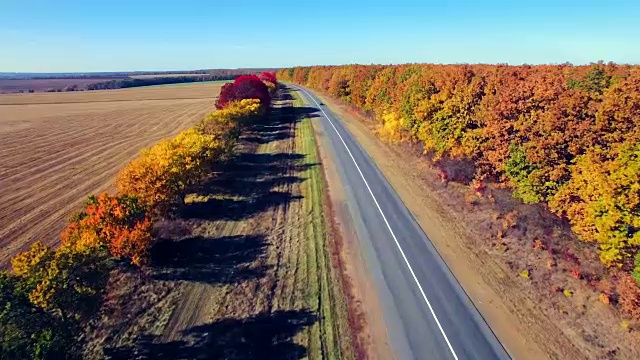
[(129, 83), (119, 75)]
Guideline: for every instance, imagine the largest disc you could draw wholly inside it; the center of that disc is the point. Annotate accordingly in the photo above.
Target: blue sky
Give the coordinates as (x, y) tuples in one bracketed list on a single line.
[(66, 36)]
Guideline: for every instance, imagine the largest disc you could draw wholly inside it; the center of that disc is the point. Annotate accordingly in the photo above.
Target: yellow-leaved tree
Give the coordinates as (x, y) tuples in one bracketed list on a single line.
[(67, 281), (602, 200)]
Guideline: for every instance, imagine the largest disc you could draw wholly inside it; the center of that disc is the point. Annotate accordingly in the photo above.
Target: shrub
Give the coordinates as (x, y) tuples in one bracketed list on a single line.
[(629, 296)]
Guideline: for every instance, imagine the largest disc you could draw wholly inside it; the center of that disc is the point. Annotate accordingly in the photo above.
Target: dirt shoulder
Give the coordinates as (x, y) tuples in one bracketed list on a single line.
[(528, 315), (245, 271)]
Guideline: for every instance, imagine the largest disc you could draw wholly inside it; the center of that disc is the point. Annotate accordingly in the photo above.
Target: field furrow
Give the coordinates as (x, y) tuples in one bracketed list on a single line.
[(59, 148)]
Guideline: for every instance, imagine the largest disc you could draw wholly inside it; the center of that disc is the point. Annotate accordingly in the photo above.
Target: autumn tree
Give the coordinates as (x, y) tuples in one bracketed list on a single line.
[(120, 223), (27, 331), (602, 201), (557, 134), (244, 87), (161, 176), (67, 281)]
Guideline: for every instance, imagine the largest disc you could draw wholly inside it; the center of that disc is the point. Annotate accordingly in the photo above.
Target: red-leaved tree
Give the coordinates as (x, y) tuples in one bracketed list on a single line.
[(244, 87), (267, 76)]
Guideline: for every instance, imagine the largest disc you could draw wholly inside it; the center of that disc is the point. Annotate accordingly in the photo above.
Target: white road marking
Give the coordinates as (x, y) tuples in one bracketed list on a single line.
[(388, 226)]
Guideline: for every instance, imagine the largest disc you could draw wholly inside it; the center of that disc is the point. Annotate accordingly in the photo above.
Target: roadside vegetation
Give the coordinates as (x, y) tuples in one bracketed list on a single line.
[(565, 137), (332, 336), (245, 267)]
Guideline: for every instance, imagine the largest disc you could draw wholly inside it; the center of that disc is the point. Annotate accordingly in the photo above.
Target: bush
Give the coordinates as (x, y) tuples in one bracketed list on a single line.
[(629, 296)]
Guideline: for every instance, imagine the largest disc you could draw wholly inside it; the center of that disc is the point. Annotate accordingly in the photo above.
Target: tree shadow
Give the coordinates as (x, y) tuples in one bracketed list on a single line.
[(285, 95), (245, 187), (302, 112), (278, 125), (209, 260), (236, 209), (262, 336), (252, 183)]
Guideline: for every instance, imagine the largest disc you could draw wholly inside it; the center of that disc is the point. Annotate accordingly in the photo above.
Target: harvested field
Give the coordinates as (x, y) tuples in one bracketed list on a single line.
[(194, 91), (165, 75), (57, 148), (38, 85)]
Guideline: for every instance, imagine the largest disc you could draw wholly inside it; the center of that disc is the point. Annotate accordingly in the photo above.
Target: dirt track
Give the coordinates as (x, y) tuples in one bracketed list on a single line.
[(57, 148)]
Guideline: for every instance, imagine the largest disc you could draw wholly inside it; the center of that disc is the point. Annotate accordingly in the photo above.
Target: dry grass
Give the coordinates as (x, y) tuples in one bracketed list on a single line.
[(57, 148)]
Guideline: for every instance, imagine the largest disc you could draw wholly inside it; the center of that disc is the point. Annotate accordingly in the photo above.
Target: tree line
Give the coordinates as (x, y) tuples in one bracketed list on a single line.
[(51, 293), (129, 83), (561, 135)]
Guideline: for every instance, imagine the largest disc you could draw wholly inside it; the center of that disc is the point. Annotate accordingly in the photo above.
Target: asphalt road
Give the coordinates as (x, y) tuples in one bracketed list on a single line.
[(428, 314)]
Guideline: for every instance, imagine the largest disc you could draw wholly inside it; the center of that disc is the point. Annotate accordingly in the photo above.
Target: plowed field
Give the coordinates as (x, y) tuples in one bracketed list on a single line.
[(57, 148)]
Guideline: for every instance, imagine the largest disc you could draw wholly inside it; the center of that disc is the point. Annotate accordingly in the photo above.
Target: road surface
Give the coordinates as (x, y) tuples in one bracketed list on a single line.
[(428, 315)]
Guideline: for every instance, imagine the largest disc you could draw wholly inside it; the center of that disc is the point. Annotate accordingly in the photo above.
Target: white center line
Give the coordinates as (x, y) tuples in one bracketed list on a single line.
[(387, 223)]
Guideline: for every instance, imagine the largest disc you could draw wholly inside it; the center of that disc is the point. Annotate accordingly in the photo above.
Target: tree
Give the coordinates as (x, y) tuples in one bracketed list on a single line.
[(67, 282), (602, 201), (119, 223), (244, 87), (26, 331)]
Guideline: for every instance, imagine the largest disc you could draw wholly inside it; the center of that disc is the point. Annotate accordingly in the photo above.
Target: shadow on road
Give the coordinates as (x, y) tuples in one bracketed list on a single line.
[(262, 336)]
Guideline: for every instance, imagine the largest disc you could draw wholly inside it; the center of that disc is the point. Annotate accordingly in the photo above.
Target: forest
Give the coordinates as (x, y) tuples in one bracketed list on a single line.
[(564, 136)]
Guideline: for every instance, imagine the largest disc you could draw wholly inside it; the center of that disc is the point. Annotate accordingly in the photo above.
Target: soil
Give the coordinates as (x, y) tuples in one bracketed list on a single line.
[(58, 148), (488, 241)]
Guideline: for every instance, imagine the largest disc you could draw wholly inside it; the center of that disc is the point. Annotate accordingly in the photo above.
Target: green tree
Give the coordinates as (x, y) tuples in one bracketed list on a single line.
[(26, 331)]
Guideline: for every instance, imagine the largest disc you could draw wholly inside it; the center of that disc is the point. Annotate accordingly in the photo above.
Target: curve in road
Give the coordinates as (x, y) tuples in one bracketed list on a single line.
[(427, 313)]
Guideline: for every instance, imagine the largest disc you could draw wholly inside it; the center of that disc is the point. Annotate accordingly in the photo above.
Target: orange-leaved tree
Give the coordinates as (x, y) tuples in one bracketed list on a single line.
[(119, 223)]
